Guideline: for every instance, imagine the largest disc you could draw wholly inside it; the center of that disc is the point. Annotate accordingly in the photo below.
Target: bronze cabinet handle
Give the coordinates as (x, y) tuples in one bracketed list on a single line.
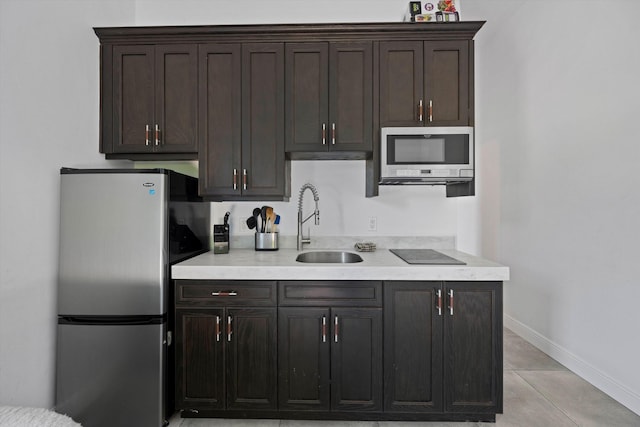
[(420, 111), (430, 111), (324, 328), (224, 294)]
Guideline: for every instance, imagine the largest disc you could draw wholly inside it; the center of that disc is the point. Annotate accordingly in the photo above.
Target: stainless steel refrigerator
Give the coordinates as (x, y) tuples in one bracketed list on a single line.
[(120, 231)]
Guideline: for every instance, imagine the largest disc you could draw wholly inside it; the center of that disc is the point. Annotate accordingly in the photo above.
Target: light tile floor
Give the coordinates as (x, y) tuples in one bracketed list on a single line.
[(538, 391)]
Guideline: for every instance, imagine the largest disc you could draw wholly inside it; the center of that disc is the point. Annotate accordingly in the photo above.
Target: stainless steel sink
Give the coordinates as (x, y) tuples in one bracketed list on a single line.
[(336, 257)]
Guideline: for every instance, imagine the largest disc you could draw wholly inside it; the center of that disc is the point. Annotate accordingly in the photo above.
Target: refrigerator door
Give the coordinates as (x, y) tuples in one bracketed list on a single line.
[(111, 375), (113, 243)]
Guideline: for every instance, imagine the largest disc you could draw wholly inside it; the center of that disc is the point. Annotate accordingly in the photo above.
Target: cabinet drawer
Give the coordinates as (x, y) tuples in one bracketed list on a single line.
[(330, 293), (225, 292)]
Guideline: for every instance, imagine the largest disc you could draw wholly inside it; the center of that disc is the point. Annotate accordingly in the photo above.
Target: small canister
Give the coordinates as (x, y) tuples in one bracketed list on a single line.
[(266, 241)]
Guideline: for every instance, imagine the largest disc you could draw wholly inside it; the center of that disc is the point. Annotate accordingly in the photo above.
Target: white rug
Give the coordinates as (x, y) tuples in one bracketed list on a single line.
[(12, 416)]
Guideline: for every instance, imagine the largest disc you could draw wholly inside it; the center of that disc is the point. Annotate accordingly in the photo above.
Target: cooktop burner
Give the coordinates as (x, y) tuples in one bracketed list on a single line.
[(425, 256)]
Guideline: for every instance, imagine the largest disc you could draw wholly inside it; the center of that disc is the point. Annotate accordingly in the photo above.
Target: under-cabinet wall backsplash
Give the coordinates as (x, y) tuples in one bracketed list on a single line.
[(344, 209)]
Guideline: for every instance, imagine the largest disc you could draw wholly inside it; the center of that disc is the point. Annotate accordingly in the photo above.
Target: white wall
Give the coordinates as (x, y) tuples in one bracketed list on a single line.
[(557, 124), (48, 118)]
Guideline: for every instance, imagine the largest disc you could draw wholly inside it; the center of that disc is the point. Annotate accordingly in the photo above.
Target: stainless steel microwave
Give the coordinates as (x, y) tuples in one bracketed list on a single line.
[(426, 155)]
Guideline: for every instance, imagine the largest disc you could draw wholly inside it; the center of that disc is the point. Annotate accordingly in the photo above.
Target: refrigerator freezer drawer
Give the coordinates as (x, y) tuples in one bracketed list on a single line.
[(111, 375)]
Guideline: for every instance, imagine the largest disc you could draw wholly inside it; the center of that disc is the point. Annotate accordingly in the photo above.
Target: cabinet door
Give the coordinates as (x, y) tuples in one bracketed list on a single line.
[(220, 118), (251, 358), (303, 357), (307, 96), (473, 347), (351, 96), (401, 83), (356, 359), (199, 359), (413, 347), (263, 162), (447, 83), (133, 99), (176, 110)]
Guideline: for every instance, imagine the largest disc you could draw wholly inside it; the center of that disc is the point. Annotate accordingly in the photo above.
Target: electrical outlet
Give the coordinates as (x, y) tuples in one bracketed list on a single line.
[(243, 223), (373, 223)]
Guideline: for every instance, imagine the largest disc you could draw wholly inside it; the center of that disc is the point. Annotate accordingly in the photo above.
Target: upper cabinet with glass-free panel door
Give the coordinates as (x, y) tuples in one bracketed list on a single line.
[(149, 97), (242, 122), (329, 99), (426, 83)]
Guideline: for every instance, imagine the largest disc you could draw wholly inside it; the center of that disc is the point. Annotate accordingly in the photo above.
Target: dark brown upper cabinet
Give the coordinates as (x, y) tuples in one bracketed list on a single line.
[(149, 101), (426, 83), (243, 112), (329, 100), (242, 122)]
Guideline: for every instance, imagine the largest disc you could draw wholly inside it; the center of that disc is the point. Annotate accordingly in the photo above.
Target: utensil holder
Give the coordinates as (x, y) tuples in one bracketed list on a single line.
[(266, 241)]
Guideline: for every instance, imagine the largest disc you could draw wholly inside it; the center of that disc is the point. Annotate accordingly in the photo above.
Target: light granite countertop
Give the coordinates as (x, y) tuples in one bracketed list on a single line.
[(248, 264)]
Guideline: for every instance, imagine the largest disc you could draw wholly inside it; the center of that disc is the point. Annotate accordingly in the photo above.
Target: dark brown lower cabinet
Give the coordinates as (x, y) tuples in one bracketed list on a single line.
[(472, 344), (413, 348), (200, 359), (304, 352), (355, 350), (226, 358), (443, 347), (330, 359)]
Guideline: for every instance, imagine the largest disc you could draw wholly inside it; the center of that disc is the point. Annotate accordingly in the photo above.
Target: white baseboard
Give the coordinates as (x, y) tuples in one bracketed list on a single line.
[(585, 370)]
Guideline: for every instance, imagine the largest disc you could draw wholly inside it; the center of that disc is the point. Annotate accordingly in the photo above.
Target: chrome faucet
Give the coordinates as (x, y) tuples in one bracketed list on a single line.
[(315, 214)]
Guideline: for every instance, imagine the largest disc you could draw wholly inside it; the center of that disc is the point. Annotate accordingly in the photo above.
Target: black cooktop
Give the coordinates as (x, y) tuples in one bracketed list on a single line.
[(425, 256)]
